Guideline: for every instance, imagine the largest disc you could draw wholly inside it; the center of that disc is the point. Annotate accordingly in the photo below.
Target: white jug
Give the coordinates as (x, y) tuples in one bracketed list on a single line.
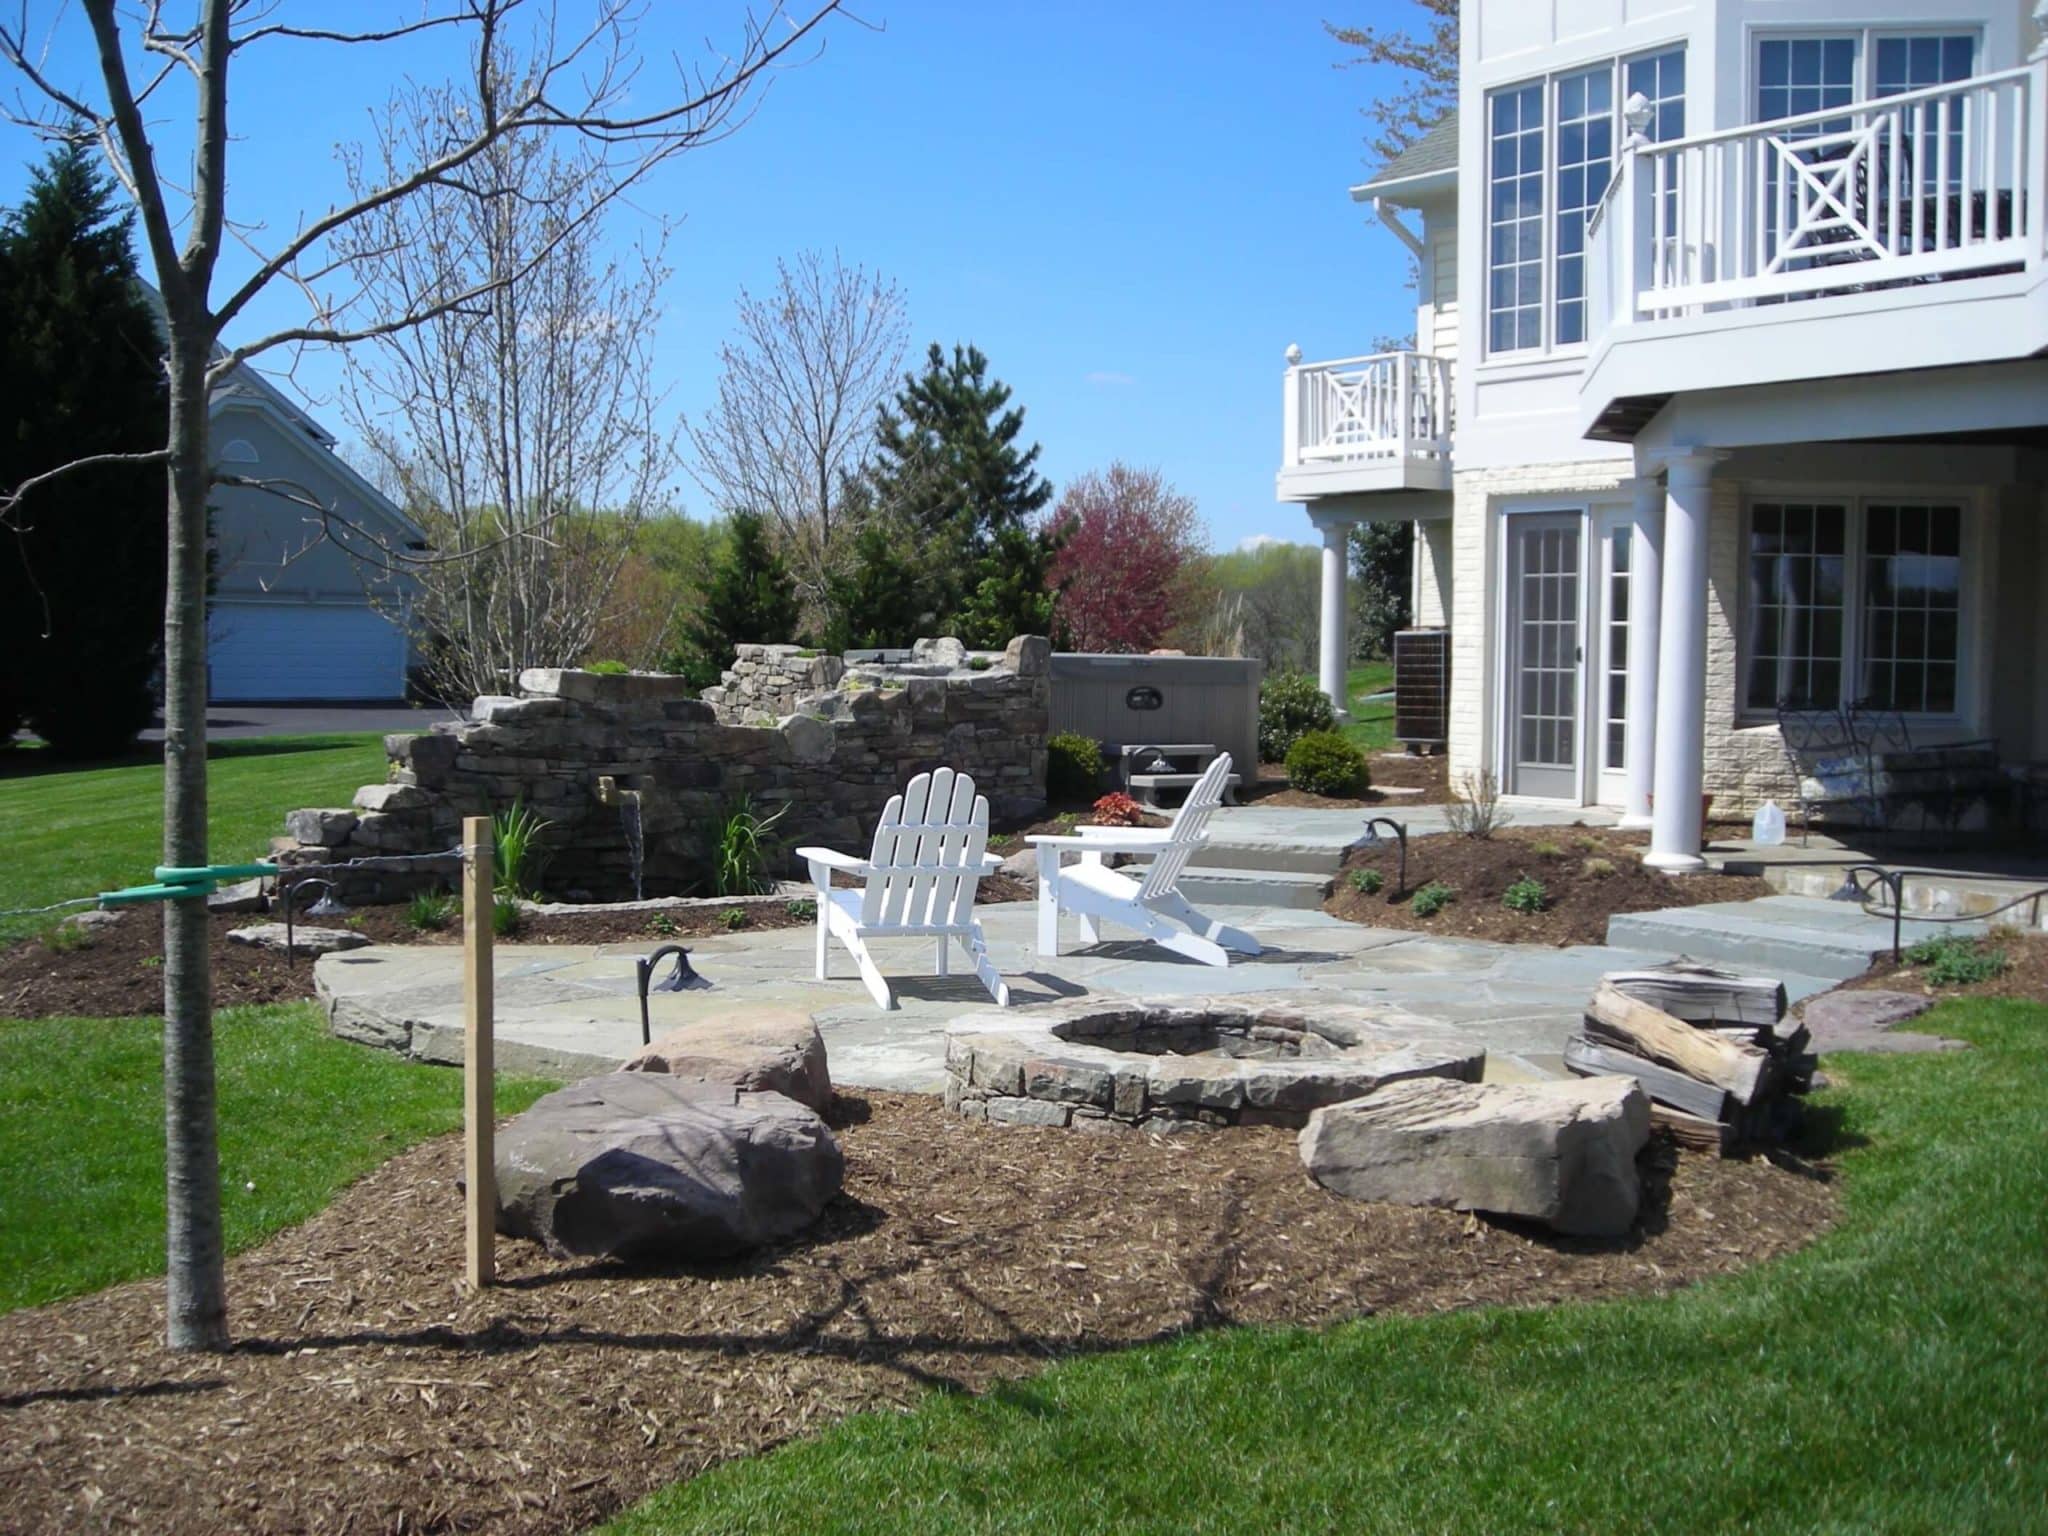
[(1768, 826)]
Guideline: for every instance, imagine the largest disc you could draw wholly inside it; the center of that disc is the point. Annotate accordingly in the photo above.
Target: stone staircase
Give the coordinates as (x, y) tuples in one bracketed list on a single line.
[(1248, 869), (1775, 935)]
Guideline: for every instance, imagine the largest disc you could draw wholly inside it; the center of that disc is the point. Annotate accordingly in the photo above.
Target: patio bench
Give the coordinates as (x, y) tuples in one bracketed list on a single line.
[(1859, 767), (1146, 769)]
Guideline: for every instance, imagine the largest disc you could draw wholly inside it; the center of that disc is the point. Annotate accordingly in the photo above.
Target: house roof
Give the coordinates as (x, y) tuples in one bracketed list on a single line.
[(1429, 165)]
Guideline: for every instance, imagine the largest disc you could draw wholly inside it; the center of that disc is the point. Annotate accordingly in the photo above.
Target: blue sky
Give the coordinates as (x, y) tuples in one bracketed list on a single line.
[(1132, 209)]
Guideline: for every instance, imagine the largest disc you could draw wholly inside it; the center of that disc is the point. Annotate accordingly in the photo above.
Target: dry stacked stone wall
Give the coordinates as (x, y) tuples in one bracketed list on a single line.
[(830, 764)]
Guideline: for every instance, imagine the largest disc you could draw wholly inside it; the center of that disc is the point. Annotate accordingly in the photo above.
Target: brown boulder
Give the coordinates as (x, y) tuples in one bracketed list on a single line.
[(765, 1050)]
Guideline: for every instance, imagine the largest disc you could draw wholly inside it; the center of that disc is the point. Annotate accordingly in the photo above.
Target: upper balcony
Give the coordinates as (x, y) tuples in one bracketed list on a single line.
[(1366, 424), (1900, 233)]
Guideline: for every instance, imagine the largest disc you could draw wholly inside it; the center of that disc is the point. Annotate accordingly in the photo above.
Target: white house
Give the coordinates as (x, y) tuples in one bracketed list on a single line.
[(1730, 390), (292, 617)]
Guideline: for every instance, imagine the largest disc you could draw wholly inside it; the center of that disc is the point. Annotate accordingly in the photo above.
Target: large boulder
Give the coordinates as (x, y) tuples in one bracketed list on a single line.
[(305, 940), (768, 1050), (1563, 1153), (639, 1165)]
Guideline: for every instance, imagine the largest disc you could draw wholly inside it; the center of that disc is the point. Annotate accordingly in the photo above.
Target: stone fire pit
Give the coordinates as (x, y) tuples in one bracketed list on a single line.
[(1189, 1063)]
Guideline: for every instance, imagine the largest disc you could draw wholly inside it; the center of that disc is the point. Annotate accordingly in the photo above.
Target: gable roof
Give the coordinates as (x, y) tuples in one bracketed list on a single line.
[(1429, 165)]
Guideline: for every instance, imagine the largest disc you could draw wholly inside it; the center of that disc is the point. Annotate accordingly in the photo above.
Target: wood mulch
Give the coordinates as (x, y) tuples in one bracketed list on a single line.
[(1588, 875), (367, 1392), (1388, 770), (117, 971)]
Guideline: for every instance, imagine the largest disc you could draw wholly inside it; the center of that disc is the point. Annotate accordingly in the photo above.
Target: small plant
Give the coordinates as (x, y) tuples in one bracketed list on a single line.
[(1118, 810), (607, 668), (978, 663), (1475, 809), (1597, 868), (1950, 960), (154, 962), (1324, 763), (353, 922), (1066, 821), (66, 937), (1290, 706), (744, 845), (803, 909), (664, 925), (1073, 766), (1433, 898), (1368, 881), (1526, 896), (1547, 850), (516, 854), (1587, 844), (507, 917), (734, 917)]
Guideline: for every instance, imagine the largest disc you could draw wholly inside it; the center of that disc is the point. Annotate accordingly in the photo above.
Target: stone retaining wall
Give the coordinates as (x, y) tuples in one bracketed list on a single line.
[(830, 764)]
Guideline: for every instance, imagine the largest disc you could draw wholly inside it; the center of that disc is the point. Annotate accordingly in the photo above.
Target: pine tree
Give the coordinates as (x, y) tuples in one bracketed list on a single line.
[(81, 373), (876, 601), (750, 598), (1383, 565), (950, 478)]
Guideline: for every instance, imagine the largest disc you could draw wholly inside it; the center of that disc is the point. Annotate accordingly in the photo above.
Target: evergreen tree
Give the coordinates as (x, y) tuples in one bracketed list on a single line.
[(750, 598), (1383, 562), (949, 474), (876, 601), (81, 373)]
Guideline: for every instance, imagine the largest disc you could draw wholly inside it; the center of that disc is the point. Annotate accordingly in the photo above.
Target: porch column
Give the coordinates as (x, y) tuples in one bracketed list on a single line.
[(1645, 610), (1335, 655), (1680, 748)]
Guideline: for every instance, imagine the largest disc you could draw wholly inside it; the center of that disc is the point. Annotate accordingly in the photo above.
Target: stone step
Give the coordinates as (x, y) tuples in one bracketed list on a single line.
[(1304, 857), (1294, 889), (1774, 934), (1941, 893)]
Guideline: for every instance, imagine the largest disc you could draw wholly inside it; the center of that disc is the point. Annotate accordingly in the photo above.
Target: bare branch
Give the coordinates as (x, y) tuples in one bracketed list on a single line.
[(10, 500)]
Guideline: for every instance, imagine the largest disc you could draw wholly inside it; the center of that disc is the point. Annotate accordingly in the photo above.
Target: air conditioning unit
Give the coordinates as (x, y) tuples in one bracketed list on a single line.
[(1422, 688)]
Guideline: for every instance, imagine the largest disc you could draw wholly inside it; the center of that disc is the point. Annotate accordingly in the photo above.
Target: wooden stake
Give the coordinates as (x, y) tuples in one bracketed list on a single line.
[(478, 1161)]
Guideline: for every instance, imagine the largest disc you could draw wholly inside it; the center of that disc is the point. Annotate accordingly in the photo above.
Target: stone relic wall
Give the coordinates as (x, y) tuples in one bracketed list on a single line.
[(832, 758)]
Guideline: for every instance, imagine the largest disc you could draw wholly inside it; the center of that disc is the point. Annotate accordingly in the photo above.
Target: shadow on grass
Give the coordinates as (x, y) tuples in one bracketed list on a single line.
[(37, 761)]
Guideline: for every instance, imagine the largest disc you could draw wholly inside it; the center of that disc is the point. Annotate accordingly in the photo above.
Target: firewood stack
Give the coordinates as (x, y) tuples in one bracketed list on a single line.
[(1706, 1046)]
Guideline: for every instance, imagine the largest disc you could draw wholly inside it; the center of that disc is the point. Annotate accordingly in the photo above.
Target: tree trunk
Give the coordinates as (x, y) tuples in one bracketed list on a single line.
[(197, 1290)]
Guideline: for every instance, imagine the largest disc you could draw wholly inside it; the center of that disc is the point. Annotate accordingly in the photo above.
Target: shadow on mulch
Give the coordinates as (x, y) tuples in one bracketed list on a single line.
[(367, 1385)]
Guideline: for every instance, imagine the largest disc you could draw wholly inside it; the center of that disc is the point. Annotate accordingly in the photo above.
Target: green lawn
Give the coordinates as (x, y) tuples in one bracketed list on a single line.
[(82, 1136), (1371, 727), (1888, 1378), (77, 831)]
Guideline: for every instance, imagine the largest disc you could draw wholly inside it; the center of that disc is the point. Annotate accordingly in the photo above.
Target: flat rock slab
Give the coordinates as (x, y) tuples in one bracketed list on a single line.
[(1563, 1153), (1864, 1021), (640, 1165), (762, 1050), (304, 940)]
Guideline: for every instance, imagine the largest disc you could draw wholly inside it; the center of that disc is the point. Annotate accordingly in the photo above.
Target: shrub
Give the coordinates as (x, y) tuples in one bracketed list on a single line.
[(978, 663), (1598, 869), (430, 911), (1475, 809), (1367, 882), (66, 937), (1118, 810), (1951, 960), (734, 917), (1073, 766), (803, 909), (744, 844), (1290, 706), (506, 918), (1547, 850), (664, 925), (1324, 763), (1433, 898), (516, 854), (1526, 896), (607, 668)]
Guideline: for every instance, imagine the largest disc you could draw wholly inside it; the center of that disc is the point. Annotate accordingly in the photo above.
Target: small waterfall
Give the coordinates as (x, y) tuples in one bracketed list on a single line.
[(629, 819)]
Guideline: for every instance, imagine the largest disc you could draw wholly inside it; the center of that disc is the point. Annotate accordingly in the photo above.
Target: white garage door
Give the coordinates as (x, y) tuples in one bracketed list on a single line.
[(278, 651)]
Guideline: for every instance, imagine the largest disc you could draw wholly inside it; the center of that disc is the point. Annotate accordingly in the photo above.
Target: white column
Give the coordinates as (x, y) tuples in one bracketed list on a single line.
[(1645, 610), (1680, 753), (1335, 654)]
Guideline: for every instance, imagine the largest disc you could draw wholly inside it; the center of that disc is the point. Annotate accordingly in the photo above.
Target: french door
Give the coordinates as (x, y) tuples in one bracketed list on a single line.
[(1545, 655)]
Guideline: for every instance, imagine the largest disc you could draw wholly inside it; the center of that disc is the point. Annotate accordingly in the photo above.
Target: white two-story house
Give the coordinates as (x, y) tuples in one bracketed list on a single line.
[(1729, 395)]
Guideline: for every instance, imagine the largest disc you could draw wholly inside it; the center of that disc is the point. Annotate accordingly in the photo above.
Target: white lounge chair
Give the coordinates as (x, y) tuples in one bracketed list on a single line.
[(1148, 900), (930, 852)]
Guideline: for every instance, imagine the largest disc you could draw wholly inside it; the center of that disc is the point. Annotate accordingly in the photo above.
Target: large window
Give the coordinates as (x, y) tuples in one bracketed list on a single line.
[(1550, 154), (1797, 75), (1852, 602)]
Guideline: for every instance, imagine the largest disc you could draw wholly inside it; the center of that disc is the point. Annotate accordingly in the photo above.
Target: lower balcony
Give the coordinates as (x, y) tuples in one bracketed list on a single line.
[(1360, 425)]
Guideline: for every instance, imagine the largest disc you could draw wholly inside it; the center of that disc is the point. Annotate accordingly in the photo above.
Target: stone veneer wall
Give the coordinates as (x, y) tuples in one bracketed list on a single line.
[(766, 682), (833, 761)]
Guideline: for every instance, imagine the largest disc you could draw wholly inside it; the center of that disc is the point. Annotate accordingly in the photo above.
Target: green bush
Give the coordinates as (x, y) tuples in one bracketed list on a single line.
[(1073, 766), (607, 668), (1367, 882), (1526, 896), (1433, 898), (1951, 960), (1290, 706), (734, 917), (1324, 763), (803, 909), (430, 911), (506, 918)]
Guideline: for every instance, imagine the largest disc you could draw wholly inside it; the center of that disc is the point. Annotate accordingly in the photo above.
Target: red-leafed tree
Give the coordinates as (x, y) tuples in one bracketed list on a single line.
[(1122, 574)]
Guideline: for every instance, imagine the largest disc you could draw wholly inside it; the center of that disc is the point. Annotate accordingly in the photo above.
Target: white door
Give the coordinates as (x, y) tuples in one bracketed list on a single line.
[(1545, 655), (276, 651)]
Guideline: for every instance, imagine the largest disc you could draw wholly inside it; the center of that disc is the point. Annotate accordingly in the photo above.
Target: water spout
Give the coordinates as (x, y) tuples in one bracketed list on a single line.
[(628, 802)]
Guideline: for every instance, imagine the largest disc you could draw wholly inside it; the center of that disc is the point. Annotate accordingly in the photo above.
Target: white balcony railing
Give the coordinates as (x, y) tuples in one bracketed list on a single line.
[(1926, 186), (1394, 407)]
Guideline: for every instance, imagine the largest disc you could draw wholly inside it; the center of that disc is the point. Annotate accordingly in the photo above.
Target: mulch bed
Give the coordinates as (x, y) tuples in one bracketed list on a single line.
[(368, 1393), (118, 971), (1579, 898), (2025, 976), (1389, 770)]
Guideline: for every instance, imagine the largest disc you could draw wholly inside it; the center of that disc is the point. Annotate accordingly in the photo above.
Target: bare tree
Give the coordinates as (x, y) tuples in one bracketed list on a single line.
[(582, 81), (800, 381), (522, 429), (1426, 72)]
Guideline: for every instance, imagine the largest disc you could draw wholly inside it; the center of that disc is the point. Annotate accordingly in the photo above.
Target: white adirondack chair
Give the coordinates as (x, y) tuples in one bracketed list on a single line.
[(931, 851), (1147, 900)]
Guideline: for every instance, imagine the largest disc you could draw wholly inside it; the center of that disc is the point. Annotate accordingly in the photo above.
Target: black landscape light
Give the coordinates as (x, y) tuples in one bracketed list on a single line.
[(682, 979), (1372, 840)]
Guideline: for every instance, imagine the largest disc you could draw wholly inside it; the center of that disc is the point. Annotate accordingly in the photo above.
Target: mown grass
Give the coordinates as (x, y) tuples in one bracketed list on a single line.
[(1887, 1378), (71, 831), (1371, 726), (82, 1136)]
